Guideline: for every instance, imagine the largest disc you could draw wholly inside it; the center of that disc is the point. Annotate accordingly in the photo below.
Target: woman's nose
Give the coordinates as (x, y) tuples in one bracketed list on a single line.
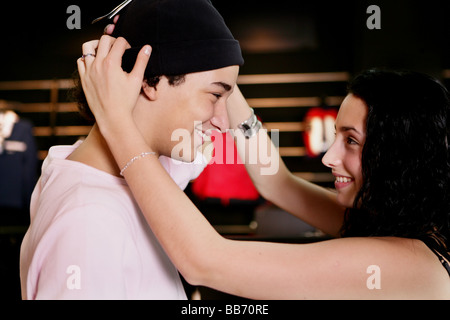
[(332, 157)]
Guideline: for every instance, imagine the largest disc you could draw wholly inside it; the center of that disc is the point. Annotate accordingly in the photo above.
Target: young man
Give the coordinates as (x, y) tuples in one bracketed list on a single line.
[(88, 238)]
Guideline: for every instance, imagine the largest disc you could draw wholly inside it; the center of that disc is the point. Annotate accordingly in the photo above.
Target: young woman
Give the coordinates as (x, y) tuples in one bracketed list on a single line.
[(391, 206)]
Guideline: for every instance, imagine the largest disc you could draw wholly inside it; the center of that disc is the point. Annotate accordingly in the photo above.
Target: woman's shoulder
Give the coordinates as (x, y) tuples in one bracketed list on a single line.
[(395, 268)]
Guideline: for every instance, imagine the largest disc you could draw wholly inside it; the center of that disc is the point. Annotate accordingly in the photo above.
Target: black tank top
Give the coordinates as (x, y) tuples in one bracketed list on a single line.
[(439, 250)]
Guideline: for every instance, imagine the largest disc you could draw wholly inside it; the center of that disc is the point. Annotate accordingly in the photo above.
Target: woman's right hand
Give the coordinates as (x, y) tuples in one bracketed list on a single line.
[(111, 92)]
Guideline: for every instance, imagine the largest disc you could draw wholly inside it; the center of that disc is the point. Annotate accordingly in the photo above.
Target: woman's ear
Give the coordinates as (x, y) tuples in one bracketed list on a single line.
[(149, 91)]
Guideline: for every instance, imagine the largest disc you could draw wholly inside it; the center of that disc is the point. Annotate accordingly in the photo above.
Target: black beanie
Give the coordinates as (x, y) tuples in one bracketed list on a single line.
[(186, 36)]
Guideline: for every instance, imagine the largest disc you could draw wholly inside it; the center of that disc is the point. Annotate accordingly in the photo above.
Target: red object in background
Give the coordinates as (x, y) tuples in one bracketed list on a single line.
[(319, 130), (225, 177)]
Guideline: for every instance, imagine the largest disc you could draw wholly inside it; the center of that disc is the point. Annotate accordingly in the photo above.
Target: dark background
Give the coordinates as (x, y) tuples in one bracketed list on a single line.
[(313, 35)]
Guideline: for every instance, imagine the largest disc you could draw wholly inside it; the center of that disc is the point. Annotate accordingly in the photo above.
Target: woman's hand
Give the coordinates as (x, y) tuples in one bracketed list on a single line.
[(109, 29), (111, 92)]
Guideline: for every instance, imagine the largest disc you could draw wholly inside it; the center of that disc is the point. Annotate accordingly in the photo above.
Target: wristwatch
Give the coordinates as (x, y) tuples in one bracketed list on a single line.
[(251, 126)]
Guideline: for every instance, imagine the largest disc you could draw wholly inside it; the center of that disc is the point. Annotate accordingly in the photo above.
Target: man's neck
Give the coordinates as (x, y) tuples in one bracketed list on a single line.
[(95, 152)]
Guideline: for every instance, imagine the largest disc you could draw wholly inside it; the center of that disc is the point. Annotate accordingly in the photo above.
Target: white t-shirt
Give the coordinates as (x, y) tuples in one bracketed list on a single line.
[(88, 239)]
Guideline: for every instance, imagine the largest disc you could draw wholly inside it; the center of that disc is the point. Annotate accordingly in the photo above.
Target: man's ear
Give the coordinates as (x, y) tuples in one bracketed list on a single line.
[(149, 91)]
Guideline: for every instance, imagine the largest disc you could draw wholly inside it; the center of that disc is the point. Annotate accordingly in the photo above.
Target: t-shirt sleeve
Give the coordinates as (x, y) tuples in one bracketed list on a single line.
[(86, 254)]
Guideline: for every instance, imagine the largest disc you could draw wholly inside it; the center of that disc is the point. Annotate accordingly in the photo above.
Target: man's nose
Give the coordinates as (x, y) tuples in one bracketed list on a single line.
[(220, 118)]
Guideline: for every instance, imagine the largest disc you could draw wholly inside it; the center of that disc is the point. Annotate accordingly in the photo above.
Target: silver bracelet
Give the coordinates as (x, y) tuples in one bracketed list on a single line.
[(129, 163), (251, 126)]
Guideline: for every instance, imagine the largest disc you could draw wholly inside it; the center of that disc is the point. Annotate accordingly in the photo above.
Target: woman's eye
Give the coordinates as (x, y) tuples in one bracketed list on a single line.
[(217, 95), (351, 141)]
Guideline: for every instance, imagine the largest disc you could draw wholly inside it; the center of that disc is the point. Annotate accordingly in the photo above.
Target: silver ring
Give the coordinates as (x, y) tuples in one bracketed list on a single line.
[(87, 55)]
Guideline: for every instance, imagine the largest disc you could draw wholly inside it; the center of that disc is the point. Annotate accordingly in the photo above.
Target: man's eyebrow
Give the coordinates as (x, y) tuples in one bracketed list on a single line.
[(224, 85)]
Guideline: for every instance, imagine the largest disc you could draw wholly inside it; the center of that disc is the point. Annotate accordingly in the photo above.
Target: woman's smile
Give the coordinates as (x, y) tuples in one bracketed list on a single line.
[(342, 181)]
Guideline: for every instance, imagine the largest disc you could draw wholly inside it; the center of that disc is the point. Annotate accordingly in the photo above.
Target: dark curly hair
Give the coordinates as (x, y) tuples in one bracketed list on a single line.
[(77, 94), (405, 158)]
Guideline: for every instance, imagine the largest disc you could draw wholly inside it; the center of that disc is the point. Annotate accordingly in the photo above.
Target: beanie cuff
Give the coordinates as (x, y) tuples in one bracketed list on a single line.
[(185, 57)]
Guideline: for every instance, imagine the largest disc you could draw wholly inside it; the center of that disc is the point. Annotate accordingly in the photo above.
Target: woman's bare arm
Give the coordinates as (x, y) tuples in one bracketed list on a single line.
[(310, 202)]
